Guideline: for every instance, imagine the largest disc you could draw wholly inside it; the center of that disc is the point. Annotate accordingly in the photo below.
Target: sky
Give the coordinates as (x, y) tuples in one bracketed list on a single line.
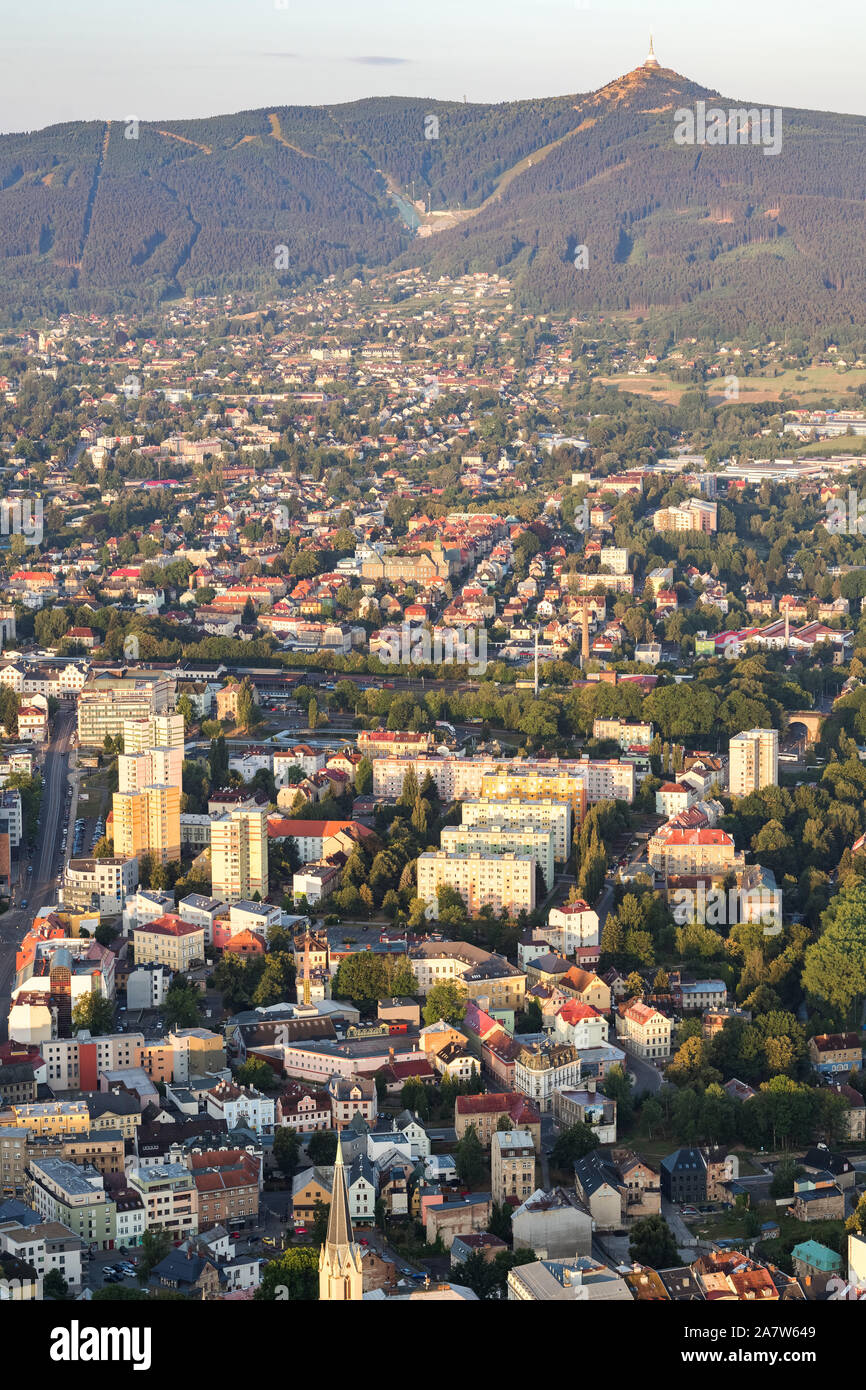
[(65, 60)]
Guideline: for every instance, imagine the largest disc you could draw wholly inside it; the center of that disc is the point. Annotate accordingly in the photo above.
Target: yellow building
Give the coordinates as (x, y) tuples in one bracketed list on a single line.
[(48, 1118), (536, 785), (147, 822), (169, 941)]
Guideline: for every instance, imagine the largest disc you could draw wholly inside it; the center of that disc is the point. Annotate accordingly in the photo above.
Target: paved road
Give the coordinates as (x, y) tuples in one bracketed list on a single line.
[(647, 1077), (684, 1238), (39, 887)]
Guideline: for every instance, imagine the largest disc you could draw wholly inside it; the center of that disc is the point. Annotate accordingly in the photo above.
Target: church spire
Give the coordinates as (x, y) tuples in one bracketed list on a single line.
[(340, 1273), (340, 1232)]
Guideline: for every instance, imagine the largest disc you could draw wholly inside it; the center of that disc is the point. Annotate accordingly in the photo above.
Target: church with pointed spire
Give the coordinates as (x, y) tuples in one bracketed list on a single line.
[(340, 1274)]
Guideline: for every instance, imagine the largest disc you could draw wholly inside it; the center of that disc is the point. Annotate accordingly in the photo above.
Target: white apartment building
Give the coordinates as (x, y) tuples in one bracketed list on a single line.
[(315, 882), (575, 925), (239, 854), (155, 767), (459, 779), (497, 838), (753, 761), (615, 558), (645, 1031), (11, 815), (101, 884), (542, 1068), (309, 760), (505, 882), (203, 911), (241, 1105), (145, 906), (532, 813), (156, 731), (45, 1246), (581, 1025), (250, 916), (147, 987), (169, 1197)]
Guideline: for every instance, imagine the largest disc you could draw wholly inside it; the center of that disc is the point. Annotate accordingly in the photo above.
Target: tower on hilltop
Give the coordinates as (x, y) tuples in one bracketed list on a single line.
[(651, 61)]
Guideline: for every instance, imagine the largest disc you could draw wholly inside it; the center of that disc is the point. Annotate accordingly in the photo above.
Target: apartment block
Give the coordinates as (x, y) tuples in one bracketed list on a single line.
[(239, 855), (100, 884), (156, 731), (692, 515), (504, 882), (73, 1195), (499, 839), (169, 1196), (541, 813), (753, 761), (626, 732), (105, 702), (147, 822), (155, 767)]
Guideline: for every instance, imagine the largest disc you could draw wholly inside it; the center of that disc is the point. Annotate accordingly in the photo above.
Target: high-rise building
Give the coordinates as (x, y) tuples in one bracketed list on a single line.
[(147, 822), (505, 882), (239, 855), (106, 702), (158, 767), (157, 731), (540, 814), (497, 837), (753, 761), (162, 737)]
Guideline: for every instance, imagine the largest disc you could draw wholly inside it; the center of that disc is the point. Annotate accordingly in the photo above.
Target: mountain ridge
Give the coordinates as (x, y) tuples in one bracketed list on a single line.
[(96, 215)]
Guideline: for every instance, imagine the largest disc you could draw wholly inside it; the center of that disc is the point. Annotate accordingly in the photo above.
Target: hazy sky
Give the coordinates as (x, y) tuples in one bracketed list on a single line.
[(84, 59)]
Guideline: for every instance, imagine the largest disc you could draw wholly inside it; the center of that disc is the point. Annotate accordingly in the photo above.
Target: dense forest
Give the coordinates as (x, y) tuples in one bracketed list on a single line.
[(97, 214)]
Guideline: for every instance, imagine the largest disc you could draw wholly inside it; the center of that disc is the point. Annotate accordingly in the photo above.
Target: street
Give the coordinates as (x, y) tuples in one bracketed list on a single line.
[(38, 888)]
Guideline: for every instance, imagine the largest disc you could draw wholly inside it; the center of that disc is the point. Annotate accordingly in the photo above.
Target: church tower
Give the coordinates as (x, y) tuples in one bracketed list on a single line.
[(340, 1273)]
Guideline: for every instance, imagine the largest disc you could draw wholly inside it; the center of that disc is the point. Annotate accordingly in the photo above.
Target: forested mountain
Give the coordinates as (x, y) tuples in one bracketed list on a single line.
[(101, 214)]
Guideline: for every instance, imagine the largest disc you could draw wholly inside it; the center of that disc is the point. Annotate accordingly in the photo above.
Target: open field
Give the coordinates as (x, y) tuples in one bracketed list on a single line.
[(809, 386)]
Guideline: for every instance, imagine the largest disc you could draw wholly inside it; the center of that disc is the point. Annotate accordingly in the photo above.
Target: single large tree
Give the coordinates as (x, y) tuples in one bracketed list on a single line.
[(652, 1243), (445, 1001)]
